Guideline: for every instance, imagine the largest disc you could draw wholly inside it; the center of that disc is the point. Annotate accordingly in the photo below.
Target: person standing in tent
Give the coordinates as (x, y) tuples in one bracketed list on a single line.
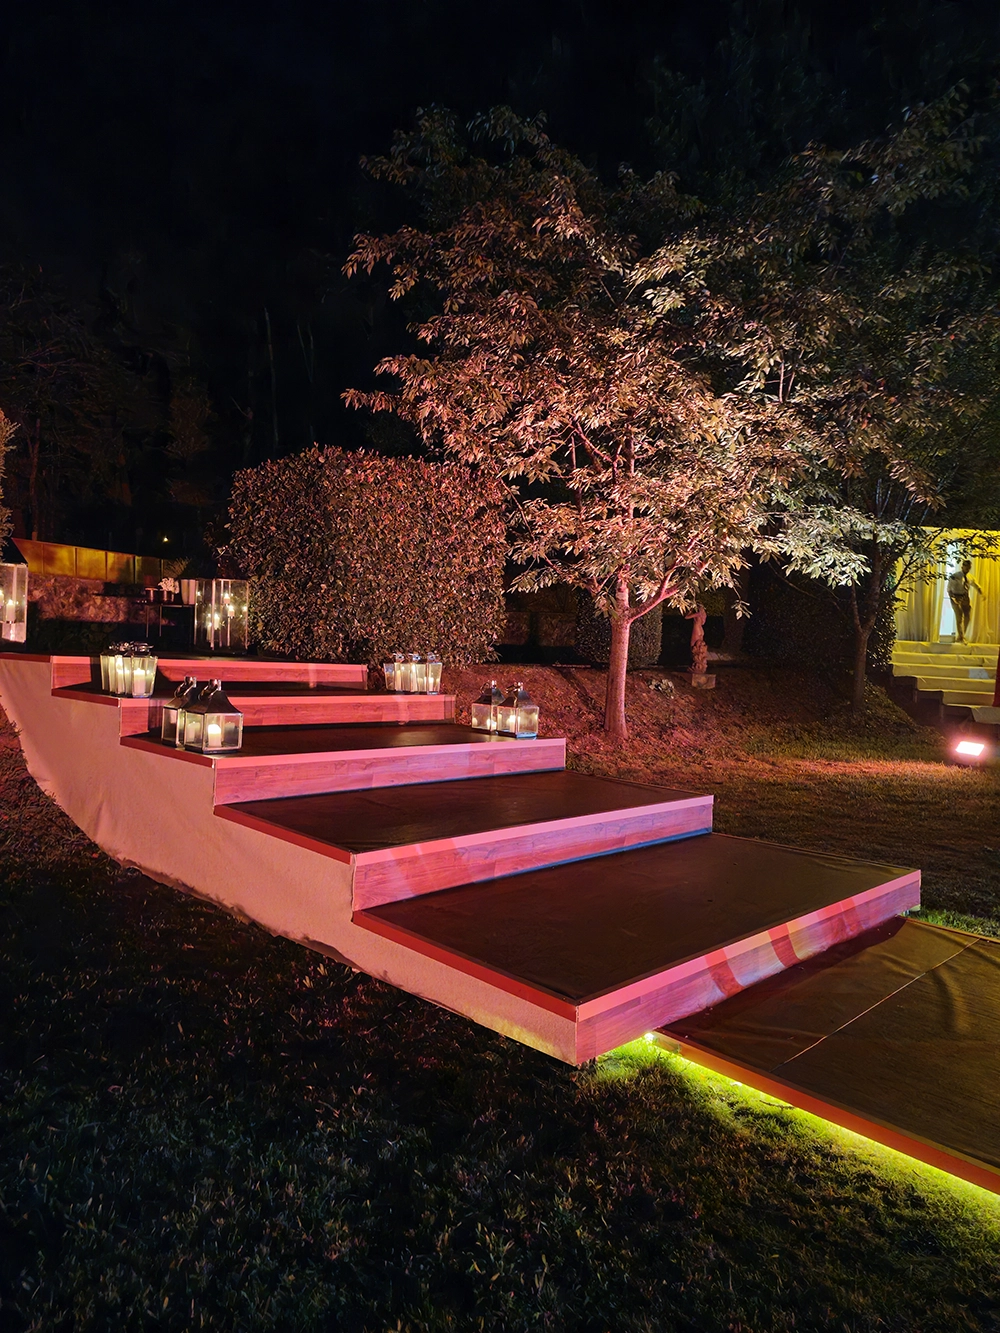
[(959, 584)]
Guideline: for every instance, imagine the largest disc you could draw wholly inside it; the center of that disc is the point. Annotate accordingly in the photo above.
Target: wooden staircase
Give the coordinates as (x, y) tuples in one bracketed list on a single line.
[(567, 911)]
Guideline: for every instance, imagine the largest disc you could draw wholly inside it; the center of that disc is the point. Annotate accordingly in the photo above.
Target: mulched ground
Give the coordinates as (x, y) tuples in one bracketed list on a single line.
[(204, 1127)]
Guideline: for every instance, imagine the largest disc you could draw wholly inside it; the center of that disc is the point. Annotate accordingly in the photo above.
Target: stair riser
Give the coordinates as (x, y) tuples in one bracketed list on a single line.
[(297, 711), (69, 671), (261, 779), (408, 872), (706, 981)]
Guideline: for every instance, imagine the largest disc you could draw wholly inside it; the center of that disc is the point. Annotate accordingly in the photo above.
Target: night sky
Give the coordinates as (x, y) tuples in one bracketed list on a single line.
[(196, 164)]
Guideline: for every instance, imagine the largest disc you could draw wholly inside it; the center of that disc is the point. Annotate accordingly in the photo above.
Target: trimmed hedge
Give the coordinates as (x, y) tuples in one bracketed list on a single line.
[(593, 636), (356, 556)]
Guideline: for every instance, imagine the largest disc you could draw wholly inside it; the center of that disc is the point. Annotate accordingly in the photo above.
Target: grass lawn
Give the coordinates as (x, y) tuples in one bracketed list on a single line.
[(205, 1127)]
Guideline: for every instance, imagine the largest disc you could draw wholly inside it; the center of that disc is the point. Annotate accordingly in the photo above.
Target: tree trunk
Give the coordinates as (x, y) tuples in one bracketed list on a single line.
[(862, 634), (614, 699)]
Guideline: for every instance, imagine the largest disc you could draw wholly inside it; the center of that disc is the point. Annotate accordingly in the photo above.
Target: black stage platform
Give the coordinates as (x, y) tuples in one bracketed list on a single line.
[(895, 1034), (585, 929)]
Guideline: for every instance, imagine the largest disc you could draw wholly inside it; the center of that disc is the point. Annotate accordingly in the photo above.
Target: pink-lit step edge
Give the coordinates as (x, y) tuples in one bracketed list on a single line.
[(392, 874), (139, 716), (69, 671), (626, 1012), (255, 778)]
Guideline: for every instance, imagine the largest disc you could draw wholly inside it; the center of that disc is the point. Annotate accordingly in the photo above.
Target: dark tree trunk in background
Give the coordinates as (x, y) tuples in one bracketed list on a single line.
[(864, 614), (621, 630)]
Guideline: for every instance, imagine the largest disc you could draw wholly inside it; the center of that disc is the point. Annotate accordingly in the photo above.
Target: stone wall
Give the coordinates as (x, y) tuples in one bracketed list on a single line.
[(66, 597)]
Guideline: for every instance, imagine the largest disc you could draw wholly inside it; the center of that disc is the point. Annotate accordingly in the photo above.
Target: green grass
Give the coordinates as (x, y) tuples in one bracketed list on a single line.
[(204, 1127)]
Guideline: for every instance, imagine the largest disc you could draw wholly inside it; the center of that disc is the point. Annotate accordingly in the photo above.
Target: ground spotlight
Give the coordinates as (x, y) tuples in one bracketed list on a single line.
[(970, 752)]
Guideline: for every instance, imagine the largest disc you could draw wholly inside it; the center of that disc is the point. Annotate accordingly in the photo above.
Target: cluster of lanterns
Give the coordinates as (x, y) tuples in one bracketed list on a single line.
[(221, 614), (14, 603), (510, 714), (201, 719), (409, 673), (129, 669)]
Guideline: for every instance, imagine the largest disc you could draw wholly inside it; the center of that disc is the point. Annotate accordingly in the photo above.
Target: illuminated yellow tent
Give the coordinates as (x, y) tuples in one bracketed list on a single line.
[(923, 611)]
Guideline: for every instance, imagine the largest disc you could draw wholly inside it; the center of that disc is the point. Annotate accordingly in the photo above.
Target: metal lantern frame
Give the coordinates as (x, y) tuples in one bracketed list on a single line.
[(129, 670), (13, 602), (408, 673), (211, 724), (171, 725), (518, 714), (485, 710)]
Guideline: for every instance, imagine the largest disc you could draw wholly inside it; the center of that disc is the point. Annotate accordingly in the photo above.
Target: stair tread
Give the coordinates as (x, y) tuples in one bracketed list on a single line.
[(377, 818), (275, 741), (585, 929)]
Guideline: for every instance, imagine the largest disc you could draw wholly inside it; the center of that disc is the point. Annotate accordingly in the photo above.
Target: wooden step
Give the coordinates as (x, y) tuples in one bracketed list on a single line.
[(623, 944), (68, 670), (411, 841), (300, 761), (269, 704)]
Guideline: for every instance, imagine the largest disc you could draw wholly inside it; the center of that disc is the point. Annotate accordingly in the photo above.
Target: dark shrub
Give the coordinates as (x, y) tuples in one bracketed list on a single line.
[(352, 555)]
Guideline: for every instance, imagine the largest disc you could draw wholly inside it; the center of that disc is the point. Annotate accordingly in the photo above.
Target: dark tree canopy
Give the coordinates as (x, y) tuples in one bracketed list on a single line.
[(195, 166)]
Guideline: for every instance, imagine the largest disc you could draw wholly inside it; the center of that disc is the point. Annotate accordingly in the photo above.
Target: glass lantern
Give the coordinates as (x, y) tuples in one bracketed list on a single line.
[(171, 721), (139, 671), (110, 667), (14, 602), (220, 614), (211, 724), (518, 715), (432, 674), (486, 708), (414, 674)]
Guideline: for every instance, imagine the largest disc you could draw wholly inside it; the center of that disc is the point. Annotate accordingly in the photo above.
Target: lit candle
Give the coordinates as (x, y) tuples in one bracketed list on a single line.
[(8, 612), (214, 734), (138, 682)]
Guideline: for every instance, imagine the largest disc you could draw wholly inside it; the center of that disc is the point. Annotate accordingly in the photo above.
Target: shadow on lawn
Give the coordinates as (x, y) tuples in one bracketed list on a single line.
[(206, 1127)]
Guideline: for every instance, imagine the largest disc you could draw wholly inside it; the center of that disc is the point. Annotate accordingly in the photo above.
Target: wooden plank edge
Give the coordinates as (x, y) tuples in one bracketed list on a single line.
[(282, 834), (950, 1161), (166, 751), (84, 697), (732, 951), (387, 752), (554, 826), (523, 990)]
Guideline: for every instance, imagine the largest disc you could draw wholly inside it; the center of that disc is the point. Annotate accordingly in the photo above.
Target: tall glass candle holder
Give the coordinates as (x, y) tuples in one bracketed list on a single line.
[(486, 708), (140, 671), (14, 603), (432, 674), (221, 618), (172, 717), (518, 714)]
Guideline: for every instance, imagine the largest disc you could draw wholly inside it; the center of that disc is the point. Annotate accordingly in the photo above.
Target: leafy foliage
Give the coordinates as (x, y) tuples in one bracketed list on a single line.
[(593, 636), (355, 556), (629, 474)]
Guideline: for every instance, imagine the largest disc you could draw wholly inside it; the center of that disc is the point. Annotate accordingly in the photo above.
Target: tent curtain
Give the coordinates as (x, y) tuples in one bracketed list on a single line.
[(918, 609), (984, 626)]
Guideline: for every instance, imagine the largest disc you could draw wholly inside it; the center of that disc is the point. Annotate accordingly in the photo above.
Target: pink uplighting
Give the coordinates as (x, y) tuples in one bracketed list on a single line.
[(971, 748)]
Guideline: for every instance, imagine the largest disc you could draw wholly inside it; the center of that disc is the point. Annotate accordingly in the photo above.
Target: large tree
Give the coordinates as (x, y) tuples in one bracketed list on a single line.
[(824, 293), (631, 473)]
